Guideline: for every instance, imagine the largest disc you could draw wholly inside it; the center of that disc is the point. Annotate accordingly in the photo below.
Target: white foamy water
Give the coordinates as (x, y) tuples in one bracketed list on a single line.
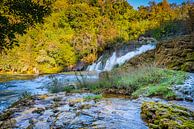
[(114, 60)]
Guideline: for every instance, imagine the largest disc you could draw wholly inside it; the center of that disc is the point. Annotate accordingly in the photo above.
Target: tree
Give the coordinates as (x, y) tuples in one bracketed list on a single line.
[(17, 15), (165, 5)]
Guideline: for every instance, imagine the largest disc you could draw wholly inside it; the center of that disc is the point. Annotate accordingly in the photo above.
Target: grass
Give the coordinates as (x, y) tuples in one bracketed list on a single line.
[(58, 86), (146, 81), (163, 88), (93, 97), (25, 95)]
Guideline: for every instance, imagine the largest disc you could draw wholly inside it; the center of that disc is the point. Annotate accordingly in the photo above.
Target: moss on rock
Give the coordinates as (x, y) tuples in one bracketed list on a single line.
[(160, 116)]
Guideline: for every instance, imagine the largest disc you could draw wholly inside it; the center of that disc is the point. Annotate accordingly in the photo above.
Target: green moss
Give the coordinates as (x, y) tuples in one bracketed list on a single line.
[(93, 97), (159, 115), (188, 66), (190, 56), (185, 67), (164, 87)]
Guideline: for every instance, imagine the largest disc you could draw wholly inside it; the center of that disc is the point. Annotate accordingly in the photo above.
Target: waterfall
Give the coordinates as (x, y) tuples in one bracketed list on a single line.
[(110, 63), (113, 60), (95, 66)]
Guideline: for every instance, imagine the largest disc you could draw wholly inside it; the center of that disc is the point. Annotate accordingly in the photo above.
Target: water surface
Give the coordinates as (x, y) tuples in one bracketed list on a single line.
[(13, 86)]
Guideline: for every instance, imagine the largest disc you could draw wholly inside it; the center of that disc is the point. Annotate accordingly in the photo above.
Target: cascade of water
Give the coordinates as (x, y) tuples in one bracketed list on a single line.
[(110, 63), (95, 66), (121, 60), (114, 60)]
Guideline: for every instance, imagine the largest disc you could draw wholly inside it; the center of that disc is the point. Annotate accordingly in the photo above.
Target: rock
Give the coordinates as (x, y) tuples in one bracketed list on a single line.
[(81, 120), (8, 124), (179, 98), (72, 102), (64, 119), (158, 115), (41, 125), (39, 111)]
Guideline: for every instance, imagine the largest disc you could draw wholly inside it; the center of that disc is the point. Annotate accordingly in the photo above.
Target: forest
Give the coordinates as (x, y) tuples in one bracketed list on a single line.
[(50, 36)]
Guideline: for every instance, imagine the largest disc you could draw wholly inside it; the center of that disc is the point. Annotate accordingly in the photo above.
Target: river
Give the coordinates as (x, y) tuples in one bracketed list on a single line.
[(13, 86)]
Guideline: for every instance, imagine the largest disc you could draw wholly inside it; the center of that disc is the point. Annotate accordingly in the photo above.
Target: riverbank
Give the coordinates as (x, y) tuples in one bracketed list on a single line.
[(86, 110)]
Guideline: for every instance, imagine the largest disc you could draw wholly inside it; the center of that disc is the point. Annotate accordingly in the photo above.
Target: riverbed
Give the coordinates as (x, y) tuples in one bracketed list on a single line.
[(13, 86)]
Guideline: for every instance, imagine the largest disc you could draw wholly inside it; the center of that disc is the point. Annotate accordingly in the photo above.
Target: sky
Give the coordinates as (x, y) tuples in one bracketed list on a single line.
[(137, 3)]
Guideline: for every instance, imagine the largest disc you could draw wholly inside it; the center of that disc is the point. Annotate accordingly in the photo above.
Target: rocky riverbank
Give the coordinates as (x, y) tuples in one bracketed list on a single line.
[(72, 111)]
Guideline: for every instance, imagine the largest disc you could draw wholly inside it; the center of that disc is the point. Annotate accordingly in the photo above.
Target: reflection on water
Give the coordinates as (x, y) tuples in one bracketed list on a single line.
[(9, 77)]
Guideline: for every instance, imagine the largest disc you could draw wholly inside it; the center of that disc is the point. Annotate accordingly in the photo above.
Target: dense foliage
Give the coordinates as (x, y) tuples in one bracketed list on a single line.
[(78, 30)]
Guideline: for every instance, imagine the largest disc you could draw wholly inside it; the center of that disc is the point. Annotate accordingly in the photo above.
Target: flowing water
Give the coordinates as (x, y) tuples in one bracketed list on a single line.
[(115, 60), (10, 91), (186, 90)]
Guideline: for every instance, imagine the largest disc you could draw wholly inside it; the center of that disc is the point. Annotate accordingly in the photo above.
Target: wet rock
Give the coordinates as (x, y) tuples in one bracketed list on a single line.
[(57, 99), (39, 111), (41, 125), (64, 108), (8, 124), (24, 124), (179, 98), (159, 115), (72, 102), (6, 115), (81, 121), (64, 119)]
